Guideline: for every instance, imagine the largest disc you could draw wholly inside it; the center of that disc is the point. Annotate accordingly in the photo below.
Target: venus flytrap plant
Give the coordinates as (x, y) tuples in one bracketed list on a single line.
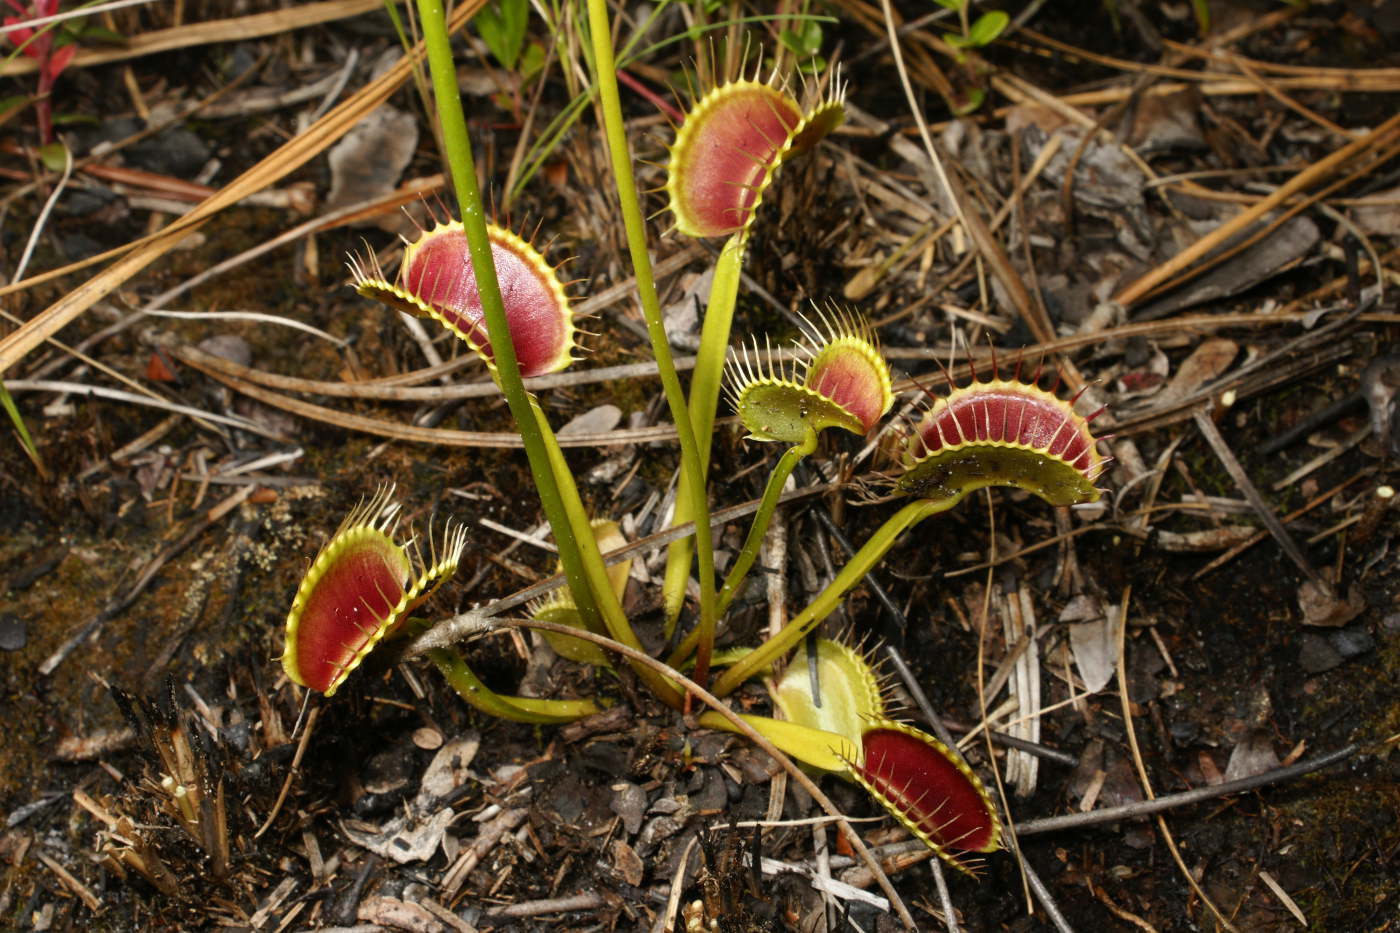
[(598, 606), (437, 280), (839, 380), (497, 294), (848, 731), (359, 590)]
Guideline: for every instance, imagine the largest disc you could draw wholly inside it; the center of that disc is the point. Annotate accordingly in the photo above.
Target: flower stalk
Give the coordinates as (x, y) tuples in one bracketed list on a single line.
[(692, 461), (566, 518)]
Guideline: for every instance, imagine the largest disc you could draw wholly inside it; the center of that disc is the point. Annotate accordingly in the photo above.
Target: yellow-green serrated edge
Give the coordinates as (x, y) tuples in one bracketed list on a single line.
[(398, 297), (825, 117), (850, 690), (845, 340), (363, 522)]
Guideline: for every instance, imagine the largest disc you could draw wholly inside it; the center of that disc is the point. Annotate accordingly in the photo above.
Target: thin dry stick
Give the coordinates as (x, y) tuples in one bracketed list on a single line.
[(291, 771), (1142, 769), (290, 156), (1261, 508), (1132, 811), (984, 616), (188, 35), (448, 633), (1269, 87), (1254, 539), (406, 386), (149, 400), (971, 220), (713, 702), (1380, 137), (1293, 207)]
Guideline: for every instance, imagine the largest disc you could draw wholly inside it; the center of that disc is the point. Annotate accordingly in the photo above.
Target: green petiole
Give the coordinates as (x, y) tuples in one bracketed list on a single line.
[(828, 599)]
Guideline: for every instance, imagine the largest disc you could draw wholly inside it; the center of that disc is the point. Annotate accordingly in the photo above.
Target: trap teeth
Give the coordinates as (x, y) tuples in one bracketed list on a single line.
[(840, 379), (929, 789), (1001, 432)]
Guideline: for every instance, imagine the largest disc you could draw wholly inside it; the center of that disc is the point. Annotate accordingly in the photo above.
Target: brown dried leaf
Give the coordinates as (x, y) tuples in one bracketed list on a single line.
[(1326, 609), (628, 863), (1209, 361)]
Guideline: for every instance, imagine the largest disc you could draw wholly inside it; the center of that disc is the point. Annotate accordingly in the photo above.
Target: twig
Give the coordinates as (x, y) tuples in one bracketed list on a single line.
[(1042, 894), (1265, 513), (1185, 798), (1374, 140), (1142, 768), (550, 905), (43, 218), (118, 395), (486, 840), (71, 882)]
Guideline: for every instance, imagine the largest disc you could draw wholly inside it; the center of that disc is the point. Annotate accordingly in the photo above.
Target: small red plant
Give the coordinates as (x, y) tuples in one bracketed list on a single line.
[(40, 46), (436, 281)]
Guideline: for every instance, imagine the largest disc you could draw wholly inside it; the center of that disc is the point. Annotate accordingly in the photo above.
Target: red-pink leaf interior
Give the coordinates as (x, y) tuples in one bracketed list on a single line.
[(726, 160), (1010, 414), (439, 272), (351, 601), (928, 789), (851, 381)]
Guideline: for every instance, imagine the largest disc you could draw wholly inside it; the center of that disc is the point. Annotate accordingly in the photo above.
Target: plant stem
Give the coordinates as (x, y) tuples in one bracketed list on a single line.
[(704, 397), (759, 527), (763, 516), (692, 463), (458, 153), (614, 621), (828, 599), (469, 687)]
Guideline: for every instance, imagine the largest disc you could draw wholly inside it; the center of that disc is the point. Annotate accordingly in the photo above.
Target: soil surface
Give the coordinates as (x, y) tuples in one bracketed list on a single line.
[(160, 772)]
